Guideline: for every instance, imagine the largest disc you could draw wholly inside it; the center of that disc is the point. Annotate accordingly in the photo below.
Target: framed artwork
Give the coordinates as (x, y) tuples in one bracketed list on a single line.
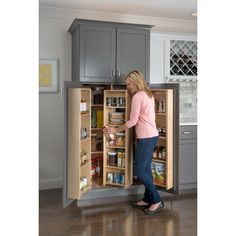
[(48, 81)]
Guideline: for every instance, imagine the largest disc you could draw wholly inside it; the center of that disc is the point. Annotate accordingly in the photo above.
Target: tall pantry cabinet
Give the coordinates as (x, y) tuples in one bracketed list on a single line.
[(117, 158), (102, 53)]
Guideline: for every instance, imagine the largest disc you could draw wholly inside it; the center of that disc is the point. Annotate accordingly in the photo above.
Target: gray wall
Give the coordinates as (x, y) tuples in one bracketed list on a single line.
[(55, 42)]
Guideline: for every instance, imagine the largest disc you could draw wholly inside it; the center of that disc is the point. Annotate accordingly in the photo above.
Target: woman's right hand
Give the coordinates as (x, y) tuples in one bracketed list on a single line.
[(110, 130)]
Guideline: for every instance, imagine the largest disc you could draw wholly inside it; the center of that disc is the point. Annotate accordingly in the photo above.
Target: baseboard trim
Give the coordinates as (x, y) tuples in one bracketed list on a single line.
[(45, 184), (186, 186)]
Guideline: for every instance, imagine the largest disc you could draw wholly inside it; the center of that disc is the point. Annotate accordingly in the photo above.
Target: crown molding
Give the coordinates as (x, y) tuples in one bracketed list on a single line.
[(160, 24)]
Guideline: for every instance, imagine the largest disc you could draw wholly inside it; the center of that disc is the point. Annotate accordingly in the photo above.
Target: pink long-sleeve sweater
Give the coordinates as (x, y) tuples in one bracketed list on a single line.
[(142, 116)]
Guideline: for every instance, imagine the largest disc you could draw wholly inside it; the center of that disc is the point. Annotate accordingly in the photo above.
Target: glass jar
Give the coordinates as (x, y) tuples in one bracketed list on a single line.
[(99, 166), (109, 137), (120, 139), (93, 168), (97, 95), (83, 105), (112, 158)]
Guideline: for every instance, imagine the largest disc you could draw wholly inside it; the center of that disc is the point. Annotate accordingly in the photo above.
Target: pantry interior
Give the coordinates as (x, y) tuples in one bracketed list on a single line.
[(92, 162)]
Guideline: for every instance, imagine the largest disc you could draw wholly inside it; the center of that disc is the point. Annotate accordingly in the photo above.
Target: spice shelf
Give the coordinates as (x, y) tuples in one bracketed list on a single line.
[(163, 169), (113, 184), (115, 167), (113, 153)]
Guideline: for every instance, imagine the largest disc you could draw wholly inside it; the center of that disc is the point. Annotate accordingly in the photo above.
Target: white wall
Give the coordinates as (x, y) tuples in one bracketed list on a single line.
[(55, 42)]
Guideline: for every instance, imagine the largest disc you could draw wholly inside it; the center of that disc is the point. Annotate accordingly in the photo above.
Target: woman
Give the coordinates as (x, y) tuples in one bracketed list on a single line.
[(142, 116)]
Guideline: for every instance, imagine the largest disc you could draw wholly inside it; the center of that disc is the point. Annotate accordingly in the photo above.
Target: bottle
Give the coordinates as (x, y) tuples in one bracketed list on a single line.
[(83, 106), (163, 153)]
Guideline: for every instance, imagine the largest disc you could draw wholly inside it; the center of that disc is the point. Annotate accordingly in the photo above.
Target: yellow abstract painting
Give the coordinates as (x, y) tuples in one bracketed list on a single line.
[(45, 75), (48, 80)]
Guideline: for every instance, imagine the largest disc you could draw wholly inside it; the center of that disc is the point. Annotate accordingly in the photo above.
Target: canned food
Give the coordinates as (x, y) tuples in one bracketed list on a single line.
[(114, 101), (116, 178), (109, 101), (122, 179), (120, 102), (110, 177)]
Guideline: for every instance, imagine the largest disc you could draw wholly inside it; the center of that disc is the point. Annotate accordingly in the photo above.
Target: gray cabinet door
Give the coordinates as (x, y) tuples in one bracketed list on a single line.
[(97, 53), (133, 52), (188, 157), (188, 163)]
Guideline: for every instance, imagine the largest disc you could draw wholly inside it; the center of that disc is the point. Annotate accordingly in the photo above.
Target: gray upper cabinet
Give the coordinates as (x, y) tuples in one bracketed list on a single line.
[(133, 52), (97, 53), (104, 52)]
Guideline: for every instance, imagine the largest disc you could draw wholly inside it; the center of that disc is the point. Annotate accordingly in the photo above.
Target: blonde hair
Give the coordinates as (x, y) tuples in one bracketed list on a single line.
[(137, 78)]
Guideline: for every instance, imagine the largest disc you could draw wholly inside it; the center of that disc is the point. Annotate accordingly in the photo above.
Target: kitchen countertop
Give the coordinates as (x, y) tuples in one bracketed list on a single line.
[(187, 123)]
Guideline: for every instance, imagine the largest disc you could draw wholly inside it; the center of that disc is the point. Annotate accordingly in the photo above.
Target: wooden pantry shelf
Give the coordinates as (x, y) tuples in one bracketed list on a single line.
[(158, 160), (115, 147), (114, 184), (97, 105), (115, 168), (98, 152)]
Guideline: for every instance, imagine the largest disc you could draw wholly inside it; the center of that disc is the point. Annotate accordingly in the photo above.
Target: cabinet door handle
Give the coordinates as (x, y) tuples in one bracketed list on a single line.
[(113, 73), (118, 72), (62, 93), (187, 132)]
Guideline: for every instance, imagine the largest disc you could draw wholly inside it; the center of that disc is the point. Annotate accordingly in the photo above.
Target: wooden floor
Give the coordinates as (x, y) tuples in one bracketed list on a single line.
[(178, 218)]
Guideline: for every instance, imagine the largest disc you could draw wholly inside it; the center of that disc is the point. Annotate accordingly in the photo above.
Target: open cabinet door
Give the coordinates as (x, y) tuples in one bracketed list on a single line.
[(77, 179), (118, 158), (165, 162)]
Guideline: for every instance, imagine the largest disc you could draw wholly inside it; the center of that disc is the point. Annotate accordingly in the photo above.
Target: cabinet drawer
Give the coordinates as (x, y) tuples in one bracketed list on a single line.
[(188, 132)]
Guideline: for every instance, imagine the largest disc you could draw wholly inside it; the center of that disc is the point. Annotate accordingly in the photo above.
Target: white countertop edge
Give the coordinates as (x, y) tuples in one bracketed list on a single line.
[(188, 123)]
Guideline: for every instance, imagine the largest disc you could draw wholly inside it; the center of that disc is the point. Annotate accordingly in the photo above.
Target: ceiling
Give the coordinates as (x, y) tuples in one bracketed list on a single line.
[(178, 9)]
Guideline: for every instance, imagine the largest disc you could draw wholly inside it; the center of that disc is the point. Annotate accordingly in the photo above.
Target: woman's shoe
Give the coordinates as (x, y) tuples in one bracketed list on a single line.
[(143, 207), (149, 212)]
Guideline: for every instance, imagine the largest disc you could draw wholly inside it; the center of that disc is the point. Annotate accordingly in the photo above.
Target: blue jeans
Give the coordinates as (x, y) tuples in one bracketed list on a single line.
[(142, 168)]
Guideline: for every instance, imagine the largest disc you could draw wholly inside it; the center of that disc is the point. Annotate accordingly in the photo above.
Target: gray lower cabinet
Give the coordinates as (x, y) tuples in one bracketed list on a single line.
[(104, 52), (188, 157)]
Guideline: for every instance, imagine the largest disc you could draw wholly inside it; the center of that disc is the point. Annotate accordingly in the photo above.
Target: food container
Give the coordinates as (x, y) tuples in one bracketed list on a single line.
[(122, 179), (98, 95), (117, 121), (121, 158), (120, 139), (116, 178), (110, 177), (114, 101), (94, 119), (109, 101), (117, 115), (112, 158), (99, 119), (121, 101), (109, 137), (99, 166), (93, 168), (93, 142)]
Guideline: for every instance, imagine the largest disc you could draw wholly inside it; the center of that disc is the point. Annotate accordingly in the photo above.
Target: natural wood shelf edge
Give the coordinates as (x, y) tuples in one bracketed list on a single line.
[(114, 184)]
